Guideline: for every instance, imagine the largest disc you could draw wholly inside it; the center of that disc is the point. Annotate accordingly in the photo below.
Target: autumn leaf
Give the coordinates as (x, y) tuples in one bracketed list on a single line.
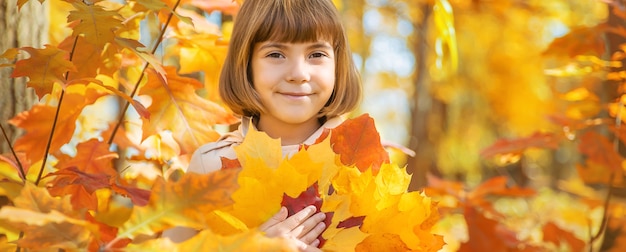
[(91, 157), (38, 121), (42, 218), (105, 235), (206, 240), (599, 150), (486, 234), (96, 24), (181, 203), (84, 62), (580, 41), (141, 51), (357, 142), (536, 140), (43, 68), (172, 105), (555, 234)]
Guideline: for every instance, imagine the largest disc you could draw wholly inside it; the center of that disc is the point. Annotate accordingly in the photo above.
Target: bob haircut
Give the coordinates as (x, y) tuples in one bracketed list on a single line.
[(289, 21)]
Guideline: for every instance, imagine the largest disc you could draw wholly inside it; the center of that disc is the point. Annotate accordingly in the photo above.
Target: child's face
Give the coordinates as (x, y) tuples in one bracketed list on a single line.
[(294, 80)]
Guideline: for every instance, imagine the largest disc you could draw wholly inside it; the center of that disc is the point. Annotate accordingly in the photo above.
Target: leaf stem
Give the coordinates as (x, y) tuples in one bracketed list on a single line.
[(56, 118), (19, 164), (143, 72), (607, 200)]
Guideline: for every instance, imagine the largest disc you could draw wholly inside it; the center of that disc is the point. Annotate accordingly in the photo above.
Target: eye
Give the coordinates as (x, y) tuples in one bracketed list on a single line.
[(275, 55), (318, 55)]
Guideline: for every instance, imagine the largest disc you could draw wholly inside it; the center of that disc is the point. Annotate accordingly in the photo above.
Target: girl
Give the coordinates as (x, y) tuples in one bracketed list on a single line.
[(289, 73)]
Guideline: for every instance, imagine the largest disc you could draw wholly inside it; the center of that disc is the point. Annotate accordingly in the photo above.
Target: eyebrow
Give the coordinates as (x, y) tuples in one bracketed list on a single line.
[(318, 45)]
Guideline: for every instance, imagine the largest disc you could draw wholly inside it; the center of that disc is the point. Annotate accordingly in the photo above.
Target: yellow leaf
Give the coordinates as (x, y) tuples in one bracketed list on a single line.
[(248, 241), (96, 23), (182, 203), (261, 147), (47, 222), (345, 240)]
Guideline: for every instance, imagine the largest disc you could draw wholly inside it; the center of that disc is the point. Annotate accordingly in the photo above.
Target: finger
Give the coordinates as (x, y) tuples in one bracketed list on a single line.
[(308, 225), (277, 218), (296, 220), (312, 235), (315, 243)]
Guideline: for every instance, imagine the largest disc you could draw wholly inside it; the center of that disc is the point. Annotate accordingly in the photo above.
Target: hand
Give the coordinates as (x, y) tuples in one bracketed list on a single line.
[(304, 226)]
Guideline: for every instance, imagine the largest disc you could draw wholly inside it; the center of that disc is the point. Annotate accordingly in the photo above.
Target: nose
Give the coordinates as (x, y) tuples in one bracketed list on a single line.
[(299, 72)]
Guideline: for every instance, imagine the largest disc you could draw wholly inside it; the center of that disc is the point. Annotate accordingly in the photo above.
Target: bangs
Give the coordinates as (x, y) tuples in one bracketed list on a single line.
[(296, 21)]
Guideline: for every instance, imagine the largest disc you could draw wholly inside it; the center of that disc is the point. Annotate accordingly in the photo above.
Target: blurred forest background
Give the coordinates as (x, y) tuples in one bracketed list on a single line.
[(477, 89)]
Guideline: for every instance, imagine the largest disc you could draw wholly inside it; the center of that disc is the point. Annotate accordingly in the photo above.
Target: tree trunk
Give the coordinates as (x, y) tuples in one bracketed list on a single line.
[(26, 27)]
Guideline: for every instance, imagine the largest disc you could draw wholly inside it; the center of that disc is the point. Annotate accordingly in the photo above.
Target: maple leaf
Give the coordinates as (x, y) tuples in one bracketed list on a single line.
[(37, 123), (553, 233), (96, 24), (181, 203), (43, 68), (199, 52), (91, 157), (140, 50), (600, 150), (47, 222), (358, 143), (486, 234), (536, 140), (84, 61), (172, 103)]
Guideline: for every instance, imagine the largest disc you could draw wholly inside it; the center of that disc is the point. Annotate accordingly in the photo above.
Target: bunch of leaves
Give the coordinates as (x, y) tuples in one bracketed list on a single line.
[(346, 174)]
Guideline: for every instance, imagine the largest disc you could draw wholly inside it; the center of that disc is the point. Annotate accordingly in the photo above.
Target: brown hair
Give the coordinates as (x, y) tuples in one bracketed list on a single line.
[(286, 21)]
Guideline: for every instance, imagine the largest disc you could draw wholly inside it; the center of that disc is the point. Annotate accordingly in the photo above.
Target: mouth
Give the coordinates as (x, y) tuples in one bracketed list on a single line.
[(293, 94)]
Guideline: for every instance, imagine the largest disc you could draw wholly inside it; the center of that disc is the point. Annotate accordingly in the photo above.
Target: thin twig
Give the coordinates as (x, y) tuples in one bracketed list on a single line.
[(159, 40), (56, 118), (143, 73), (607, 200), (19, 164)]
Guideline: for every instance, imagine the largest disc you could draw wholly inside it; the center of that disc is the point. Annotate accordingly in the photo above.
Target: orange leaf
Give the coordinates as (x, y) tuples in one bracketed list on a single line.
[(85, 60), (47, 222), (382, 242), (39, 119), (558, 236), (79, 185), (96, 24), (357, 142), (82, 187), (536, 140), (486, 234), (172, 105), (182, 203), (106, 234), (43, 68), (600, 150), (92, 157), (580, 41)]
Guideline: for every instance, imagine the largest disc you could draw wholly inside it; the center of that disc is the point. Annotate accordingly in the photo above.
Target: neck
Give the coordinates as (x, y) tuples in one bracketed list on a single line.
[(289, 134)]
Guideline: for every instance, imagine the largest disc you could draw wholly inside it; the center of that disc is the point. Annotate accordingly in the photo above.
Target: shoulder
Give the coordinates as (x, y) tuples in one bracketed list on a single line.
[(208, 157)]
